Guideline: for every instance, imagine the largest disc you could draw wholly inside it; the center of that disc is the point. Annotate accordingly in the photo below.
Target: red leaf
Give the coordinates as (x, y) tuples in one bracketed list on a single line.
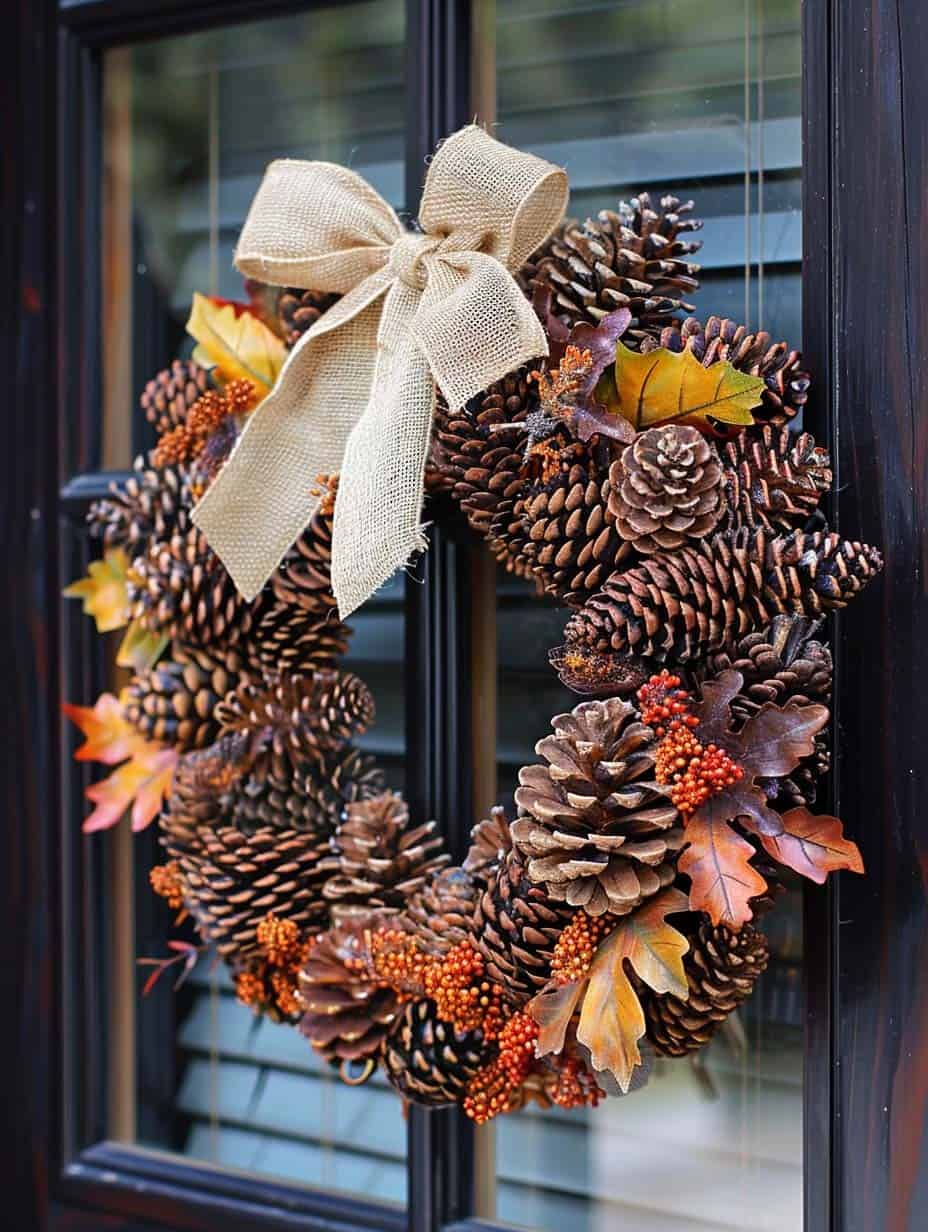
[(813, 846), (717, 863)]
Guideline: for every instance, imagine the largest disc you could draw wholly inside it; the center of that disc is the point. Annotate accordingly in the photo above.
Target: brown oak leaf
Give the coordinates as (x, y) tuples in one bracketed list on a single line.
[(718, 863), (813, 846)]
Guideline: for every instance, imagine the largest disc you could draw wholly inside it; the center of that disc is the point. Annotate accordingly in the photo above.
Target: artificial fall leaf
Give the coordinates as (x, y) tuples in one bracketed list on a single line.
[(813, 846), (717, 861), (236, 342), (552, 1009), (103, 591), (611, 1017), (110, 738), (142, 782), (140, 649), (664, 386)]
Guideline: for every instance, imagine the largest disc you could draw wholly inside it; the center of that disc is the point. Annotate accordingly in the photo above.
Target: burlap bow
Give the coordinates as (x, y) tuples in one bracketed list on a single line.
[(356, 394)]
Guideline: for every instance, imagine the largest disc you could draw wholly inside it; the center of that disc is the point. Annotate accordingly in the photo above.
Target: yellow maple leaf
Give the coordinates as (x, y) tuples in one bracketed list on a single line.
[(103, 591), (110, 737), (235, 342), (663, 386), (140, 649)]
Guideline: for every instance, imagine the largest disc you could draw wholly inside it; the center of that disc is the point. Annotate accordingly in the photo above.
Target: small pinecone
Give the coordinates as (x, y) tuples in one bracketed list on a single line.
[(516, 927), (288, 637), (175, 701), (563, 533), (308, 714), (442, 912), (382, 862), (684, 604), (666, 489), (426, 1060), (303, 794), (721, 969), (596, 829), (782, 664), (151, 505), (304, 576), (773, 478), (348, 1011), (635, 259), (168, 397), (720, 338), (482, 464), (490, 841), (298, 310)]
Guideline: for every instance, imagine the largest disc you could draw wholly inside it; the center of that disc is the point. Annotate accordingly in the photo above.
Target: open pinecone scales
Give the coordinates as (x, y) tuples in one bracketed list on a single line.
[(168, 397), (428, 1061), (773, 478), (175, 702), (298, 310), (441, 913), (150, 505)]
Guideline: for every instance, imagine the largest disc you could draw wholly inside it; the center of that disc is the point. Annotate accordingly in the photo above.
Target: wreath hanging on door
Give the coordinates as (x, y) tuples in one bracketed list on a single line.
[(636, 464)]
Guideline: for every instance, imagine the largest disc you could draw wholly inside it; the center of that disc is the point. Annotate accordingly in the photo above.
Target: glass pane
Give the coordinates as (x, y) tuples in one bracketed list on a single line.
[(190, 124), (629, 96)]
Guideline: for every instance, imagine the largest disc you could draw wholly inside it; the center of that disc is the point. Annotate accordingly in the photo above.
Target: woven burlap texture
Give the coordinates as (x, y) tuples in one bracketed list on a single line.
[(356, 394)]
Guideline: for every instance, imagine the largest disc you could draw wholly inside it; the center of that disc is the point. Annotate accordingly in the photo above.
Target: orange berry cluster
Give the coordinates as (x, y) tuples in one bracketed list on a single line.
[(576, 946), (398, 962), (489, 1093), (694, 772), (575, 1087), (462, 994), (272, 983), (517, 1046), (664, 703), (326, 489), (558, 389), (166, 882), (185, 441), (280, 940)]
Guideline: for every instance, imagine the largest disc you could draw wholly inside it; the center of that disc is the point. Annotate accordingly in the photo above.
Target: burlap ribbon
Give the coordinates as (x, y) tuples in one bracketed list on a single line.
[(356, 394)]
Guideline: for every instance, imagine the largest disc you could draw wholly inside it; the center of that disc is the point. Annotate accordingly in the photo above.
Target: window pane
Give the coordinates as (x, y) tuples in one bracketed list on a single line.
[(190, 124), (635, 95)]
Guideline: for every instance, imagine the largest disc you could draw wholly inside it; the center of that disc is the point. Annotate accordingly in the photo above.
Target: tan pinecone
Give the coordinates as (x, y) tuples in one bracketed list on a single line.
[(308, 714), (666, 489), (441, 913), (490, 841), (721, 968), (681, 605), (304, 794), (382, 861), (349, 1012), (773, 478), (516, 926), (287, 637), (152, 504), (298, 310), (562, 532), (304, 577), (597, 831), (720, 338), (168, 397), (176, 700), (782, 664), (426, 1060), (636, 259)]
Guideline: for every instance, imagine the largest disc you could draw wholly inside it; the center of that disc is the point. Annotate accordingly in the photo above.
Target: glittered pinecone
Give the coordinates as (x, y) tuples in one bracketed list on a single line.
[(168, 397), (787, 383), (597, 831), (686, 603), (666, 489), (297, 310), (151, 505), (782, 664), (721, 968), (636, 259), (562, 532), (441, 913), (516, 927), (175, 701), (304, 794), (349, 1012), (382, 861), (304, 577), (773, 478), (426, 1060), (307, 714)]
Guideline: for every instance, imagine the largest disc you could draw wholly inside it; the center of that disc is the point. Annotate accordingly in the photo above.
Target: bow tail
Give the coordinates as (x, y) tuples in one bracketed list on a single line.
[(377, 523)]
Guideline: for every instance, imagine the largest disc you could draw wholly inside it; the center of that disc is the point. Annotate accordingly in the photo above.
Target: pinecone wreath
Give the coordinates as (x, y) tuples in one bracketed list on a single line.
[(429, 1061), (636, 259), (597, 830), (721, 967)]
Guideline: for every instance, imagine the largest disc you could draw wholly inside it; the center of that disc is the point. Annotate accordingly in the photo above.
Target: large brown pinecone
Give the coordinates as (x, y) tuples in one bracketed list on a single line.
[(721, 968), (349, 1011), (787, 383), (309, 714), (666, 489), (428, 1061), (681, 605), (168, 397), (304, 576), (381, 860), (782, 664), (176, 700), (636, 259), (287, 637), (304, 794), (773, 478), (516, 927), (562, 532), (297, 310), (441, 913), (596, 828), (151, 504)]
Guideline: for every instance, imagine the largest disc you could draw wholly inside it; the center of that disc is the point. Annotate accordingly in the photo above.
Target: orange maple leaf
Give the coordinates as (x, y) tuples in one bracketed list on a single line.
[(110, 737)]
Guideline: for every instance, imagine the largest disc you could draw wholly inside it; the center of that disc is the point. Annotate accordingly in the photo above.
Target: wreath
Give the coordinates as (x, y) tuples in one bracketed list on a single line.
[(638, 465)]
